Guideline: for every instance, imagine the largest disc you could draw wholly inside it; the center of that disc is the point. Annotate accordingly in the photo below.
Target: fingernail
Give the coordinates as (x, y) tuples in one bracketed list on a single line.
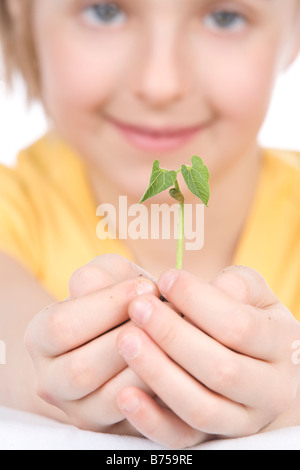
[(166, 281), (130, 347), (141, 310), (130, 405), (145, 287)]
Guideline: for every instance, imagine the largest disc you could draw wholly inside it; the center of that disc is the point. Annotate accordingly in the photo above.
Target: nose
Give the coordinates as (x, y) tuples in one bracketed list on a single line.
[(160, 76)]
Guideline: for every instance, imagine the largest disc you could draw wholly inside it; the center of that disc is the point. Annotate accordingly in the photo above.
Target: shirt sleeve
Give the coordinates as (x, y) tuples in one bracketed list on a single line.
[(18, 225)]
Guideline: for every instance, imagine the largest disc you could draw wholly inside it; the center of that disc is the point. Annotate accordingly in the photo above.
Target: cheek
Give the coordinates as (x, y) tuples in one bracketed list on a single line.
[(238, 97), (241, 93), (71, 79), (78, 74)]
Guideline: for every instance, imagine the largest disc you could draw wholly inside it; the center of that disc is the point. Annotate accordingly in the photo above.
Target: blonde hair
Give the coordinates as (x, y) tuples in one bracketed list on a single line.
[(17, 44)]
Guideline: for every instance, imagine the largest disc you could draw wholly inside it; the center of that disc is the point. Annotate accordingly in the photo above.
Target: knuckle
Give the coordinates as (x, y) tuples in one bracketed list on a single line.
[(232, 282), (83, 423), (88, 279), (154, 373), (32, 335), (205, 418), (152, 427), (78, 374), (43, 392), (59, 328), (225, 376), (115, 266), (241, 328), (187, 295), (79, 277), (167, 336)]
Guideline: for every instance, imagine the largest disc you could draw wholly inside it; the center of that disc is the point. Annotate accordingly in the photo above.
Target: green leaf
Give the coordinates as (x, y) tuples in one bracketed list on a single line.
[(196, 178), (160, 181)]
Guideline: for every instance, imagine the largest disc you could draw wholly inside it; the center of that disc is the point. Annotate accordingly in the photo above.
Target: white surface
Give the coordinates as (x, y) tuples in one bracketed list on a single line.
[(22, 431), (20, 126)]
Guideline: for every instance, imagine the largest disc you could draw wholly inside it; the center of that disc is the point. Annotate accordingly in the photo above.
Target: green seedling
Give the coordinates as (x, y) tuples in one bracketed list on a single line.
[(196, 178)]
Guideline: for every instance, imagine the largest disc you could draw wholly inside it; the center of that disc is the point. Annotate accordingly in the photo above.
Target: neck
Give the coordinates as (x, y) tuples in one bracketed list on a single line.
[(232, 195)]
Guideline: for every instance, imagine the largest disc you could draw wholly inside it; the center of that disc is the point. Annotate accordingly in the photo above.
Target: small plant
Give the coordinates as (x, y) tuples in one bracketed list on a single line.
[(196, 178)]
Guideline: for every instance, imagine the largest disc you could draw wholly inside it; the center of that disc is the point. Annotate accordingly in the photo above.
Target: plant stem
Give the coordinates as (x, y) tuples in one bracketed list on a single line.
[(180, 236), (180, 239)]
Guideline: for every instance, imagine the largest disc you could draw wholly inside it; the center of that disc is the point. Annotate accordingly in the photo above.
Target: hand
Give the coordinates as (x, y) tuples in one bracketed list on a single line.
[(225, 370), (73, 343)]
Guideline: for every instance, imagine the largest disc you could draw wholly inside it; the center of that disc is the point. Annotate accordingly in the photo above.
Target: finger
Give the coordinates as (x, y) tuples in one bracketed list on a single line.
[(155, 422), (102, 272), (68, 325), (241, 327), (192, 402), (87, 280), (99, 411), (78, 373), (220, 369), (245, 285)]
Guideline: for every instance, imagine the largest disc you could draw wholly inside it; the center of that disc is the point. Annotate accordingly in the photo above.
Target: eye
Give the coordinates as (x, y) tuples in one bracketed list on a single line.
[(105, 13), (225, 20)]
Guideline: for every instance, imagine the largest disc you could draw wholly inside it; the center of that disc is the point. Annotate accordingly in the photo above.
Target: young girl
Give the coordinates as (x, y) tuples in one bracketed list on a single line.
[(125, 83)]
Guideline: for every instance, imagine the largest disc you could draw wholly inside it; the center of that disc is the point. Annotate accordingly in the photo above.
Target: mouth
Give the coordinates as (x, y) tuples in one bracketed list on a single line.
[(156, 139)]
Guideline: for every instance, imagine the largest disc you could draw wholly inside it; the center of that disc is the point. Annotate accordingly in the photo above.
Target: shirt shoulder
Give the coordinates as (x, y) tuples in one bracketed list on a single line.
[(45, 206), (18, 235), (51, 162), (290, 159), (282, 173), (47, 173), (270, 242), (48, 216)]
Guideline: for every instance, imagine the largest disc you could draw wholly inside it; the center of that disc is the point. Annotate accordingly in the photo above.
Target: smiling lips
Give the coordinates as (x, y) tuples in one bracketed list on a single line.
[(158, 140)]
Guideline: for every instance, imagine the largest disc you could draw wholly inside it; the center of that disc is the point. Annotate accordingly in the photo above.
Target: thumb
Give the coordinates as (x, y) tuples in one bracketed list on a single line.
[(245, 285)]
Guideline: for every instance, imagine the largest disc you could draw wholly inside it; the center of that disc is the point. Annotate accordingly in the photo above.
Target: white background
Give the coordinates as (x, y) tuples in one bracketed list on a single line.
[(20, 126)]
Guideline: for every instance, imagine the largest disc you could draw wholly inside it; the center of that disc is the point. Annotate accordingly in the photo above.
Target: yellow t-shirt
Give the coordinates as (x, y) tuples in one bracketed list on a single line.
[(48, 215), (48, 219)]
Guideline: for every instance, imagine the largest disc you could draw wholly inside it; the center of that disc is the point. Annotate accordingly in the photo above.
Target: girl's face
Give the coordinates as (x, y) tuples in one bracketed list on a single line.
[(132, 81)]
